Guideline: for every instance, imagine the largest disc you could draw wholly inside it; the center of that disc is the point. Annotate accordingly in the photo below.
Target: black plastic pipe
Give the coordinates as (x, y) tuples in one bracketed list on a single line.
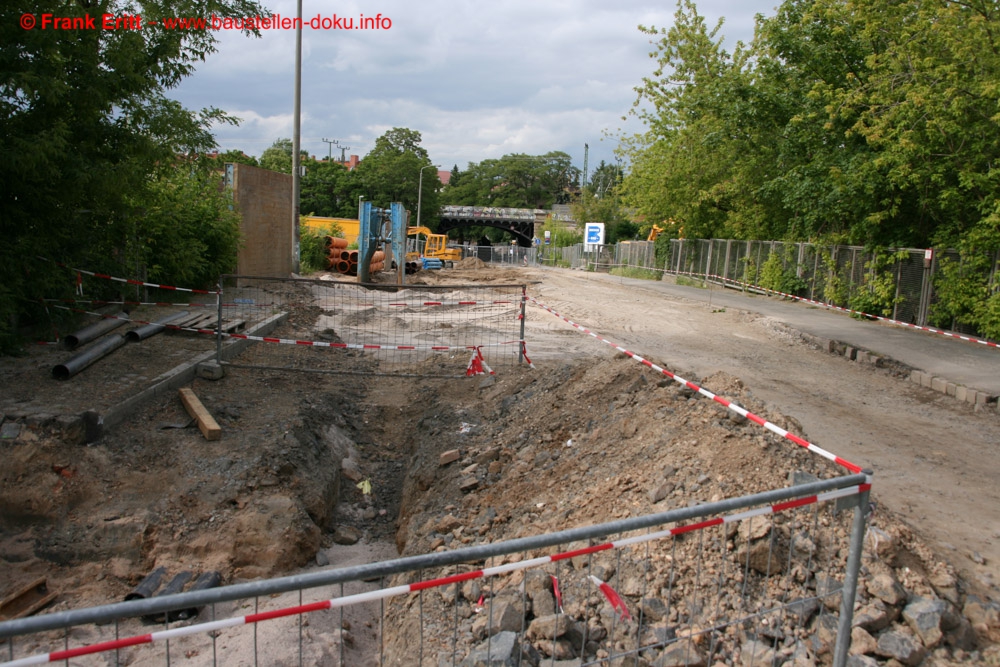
[(77, 363), (94, 331), (148, 585), (204, 581), (153, 328)]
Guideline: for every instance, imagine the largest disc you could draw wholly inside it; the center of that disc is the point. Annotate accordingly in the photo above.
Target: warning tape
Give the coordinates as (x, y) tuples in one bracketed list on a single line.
[(394, 591), (360, 346), (306, 343), (849, 311), (774, 428), (97, 302), (128, 281), (452, 303)]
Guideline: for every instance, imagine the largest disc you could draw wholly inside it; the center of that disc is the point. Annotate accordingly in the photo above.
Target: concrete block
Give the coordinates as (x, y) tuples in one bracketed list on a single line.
[(939, 384), (851, 353), (210, 370), (961, 392), (862, 356), (983, 398), (950, 389), (971, 396), (916, 377), (925, 380)]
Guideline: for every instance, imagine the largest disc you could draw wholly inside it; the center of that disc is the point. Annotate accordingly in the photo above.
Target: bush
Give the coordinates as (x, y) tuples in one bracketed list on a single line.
[(776, 277)]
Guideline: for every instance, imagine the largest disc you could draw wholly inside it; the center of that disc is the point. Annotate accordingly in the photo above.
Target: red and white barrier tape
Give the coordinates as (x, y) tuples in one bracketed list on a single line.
[(385, 593), (774, 428), (849, 311), (451, 303), (306, 343), (358, 346), (95, 302), (128, 281)]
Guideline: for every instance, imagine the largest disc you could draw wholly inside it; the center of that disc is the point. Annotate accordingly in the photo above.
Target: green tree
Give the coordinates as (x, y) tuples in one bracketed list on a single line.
[(278, 156), (84, 125), (600, 202), (187, 232), (328, 189), (391, 172), (234, 156), (516, 181)]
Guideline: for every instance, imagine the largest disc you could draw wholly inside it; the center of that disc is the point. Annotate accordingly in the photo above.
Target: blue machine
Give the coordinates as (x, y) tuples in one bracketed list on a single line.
[(385, 228)]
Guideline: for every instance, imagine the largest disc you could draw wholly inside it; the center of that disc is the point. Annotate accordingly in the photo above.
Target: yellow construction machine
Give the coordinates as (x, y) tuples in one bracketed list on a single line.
[(654, 232), (435, 247)]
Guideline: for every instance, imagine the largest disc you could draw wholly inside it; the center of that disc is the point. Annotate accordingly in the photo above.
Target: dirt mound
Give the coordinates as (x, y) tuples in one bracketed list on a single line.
[(470, 263)]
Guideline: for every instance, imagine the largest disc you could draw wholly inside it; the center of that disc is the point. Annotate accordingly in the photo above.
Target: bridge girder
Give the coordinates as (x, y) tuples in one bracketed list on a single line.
[(522, 230)]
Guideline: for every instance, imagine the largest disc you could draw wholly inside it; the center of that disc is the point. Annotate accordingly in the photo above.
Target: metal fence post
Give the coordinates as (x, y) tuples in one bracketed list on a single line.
[(850, 589), (524, 299), (218, 324)]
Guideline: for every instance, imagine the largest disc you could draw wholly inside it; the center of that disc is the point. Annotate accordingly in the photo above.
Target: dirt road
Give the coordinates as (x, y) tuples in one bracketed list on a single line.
[(934, 458)]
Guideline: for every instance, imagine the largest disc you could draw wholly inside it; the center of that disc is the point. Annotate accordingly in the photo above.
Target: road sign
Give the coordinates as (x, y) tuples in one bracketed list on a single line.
[(593, 235)]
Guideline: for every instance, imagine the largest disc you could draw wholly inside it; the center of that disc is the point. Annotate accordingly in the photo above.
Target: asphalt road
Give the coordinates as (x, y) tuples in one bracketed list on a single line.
[(973, 365)]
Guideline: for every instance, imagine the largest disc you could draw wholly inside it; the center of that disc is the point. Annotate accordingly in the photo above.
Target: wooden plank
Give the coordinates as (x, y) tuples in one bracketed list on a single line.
[(186, 321), (206, 422), (204, 321), (232, 326), (26, 601)]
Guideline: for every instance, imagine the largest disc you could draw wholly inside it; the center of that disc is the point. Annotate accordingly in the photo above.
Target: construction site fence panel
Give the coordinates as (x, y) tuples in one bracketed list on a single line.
[(748, 580), (898, 283), (332, 326)]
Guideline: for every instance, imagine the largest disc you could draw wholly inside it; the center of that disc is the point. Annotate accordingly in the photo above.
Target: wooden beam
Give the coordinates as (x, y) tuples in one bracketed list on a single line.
[(26, 600), (206, 422)]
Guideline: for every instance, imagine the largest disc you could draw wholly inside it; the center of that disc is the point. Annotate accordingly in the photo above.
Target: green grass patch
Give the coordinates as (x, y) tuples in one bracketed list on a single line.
[(635, 272)]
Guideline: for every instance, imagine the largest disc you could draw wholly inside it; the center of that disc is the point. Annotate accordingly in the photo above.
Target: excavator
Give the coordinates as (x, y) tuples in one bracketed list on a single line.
[(436, 247)]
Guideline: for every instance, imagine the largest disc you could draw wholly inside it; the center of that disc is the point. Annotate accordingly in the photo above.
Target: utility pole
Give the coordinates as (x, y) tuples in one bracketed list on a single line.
[(586, 157), (332, 143), (343, 149), (297, 131)]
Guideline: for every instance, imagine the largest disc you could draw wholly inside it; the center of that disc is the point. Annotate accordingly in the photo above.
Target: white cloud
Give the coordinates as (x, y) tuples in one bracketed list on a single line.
[(476, 79)]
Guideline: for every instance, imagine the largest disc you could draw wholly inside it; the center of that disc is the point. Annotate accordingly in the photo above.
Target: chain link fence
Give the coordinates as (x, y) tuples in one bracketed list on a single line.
[(428, 330), (738, 581), (897, 283)]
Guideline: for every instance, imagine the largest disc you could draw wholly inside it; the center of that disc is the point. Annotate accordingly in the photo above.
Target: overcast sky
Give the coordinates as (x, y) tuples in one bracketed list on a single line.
[(478, 80)]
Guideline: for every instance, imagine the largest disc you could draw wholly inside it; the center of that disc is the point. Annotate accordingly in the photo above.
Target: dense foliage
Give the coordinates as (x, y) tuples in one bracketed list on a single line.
[(874, 122), (514, 181), (88, 139)]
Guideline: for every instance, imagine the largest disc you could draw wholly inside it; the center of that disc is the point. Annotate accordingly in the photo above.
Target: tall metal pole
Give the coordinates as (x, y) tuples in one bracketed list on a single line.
[(296, 136)]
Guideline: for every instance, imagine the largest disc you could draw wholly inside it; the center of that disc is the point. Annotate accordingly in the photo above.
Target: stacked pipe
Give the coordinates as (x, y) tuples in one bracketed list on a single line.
[(342, 260), (432, 263), (413, 267)]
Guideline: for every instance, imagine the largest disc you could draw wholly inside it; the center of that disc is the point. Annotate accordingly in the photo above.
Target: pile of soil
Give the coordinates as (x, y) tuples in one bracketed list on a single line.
[(584, 437)]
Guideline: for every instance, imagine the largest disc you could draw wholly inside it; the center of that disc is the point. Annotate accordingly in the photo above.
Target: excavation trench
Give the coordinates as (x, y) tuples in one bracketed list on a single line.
[(327, 471)]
